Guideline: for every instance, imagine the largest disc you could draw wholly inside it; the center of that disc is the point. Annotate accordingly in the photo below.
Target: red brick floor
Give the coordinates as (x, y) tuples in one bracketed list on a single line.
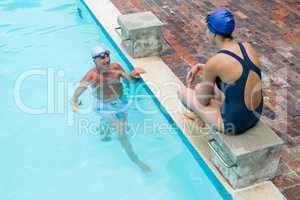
[(273, 27)]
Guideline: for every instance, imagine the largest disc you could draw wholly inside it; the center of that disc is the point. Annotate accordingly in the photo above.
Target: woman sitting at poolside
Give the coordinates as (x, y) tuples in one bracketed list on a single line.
[(229, 97)]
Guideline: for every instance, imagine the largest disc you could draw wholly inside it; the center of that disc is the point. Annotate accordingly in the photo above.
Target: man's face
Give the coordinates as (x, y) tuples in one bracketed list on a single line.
[(105, 60), (102, 62)]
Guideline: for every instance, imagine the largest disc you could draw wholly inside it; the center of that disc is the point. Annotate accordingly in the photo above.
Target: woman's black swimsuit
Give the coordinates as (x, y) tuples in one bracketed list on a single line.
[(236, 116)]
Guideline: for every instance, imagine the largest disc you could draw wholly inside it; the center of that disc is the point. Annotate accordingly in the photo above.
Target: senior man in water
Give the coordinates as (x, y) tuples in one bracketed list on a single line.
[(110, 101)]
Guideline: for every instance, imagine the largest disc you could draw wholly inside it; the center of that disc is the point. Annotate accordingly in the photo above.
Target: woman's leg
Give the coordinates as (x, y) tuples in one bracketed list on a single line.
[(193, 116), (219, 96), (210, 114)]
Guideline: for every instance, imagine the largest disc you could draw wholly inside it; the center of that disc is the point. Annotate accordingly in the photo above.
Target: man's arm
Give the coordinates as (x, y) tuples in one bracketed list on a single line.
[(79, 90), (84, 83), (131, 76), (205, 89)]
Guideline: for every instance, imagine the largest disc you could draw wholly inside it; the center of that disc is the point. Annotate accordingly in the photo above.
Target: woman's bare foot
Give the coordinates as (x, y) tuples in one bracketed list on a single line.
[(192, 116)]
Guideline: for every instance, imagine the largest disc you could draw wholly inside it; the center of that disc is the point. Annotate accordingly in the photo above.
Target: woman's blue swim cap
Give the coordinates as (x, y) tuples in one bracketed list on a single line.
[(221, 22)]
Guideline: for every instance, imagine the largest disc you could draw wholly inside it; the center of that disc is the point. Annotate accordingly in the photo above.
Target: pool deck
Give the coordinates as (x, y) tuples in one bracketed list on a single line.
[(160, 74)]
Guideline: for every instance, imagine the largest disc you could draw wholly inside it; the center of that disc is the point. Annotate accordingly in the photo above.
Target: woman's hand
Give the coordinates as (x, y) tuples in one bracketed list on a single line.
[(192, 74)]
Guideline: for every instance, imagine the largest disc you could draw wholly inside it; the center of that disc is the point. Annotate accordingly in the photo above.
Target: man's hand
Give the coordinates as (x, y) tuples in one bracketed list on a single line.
[(136, 72), (75, 105), (192, 74)]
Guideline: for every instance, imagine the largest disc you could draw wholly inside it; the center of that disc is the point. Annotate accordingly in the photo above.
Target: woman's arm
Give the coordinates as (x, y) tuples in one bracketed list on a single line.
[(191, 75), (205, 90)]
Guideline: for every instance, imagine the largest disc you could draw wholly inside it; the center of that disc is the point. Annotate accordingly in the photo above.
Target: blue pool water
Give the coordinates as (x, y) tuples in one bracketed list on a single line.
[(46, 151)]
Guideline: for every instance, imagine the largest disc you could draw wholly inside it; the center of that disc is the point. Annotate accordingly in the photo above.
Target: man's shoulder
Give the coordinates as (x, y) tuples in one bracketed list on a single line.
[(116, 65), (91, 71)]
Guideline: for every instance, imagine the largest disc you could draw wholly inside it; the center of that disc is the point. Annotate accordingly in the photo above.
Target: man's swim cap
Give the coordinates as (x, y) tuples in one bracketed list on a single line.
[(221, 22), (99, 51)]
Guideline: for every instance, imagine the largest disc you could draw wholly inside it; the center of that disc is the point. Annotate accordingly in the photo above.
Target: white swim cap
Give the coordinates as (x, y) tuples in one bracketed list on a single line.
[(98, 51)]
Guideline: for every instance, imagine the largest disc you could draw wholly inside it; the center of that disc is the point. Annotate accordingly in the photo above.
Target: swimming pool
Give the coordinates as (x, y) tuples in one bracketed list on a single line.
[(50, 153)]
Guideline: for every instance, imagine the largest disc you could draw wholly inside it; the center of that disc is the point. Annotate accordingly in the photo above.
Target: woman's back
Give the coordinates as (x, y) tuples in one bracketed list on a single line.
[(239, 78)]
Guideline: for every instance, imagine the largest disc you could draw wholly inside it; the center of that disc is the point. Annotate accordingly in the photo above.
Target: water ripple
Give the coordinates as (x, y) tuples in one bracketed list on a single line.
[(61, 7), (4, 25), (58, 29), (40, 30), (15, 29), (20, 4), (45, 28)]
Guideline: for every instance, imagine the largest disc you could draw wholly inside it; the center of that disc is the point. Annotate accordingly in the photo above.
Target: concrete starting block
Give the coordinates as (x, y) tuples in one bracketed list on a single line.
[(141, 34), (246, 159)]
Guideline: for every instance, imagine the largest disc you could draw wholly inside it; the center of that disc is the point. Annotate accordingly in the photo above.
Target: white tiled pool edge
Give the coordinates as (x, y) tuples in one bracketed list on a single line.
[(159, 74)]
